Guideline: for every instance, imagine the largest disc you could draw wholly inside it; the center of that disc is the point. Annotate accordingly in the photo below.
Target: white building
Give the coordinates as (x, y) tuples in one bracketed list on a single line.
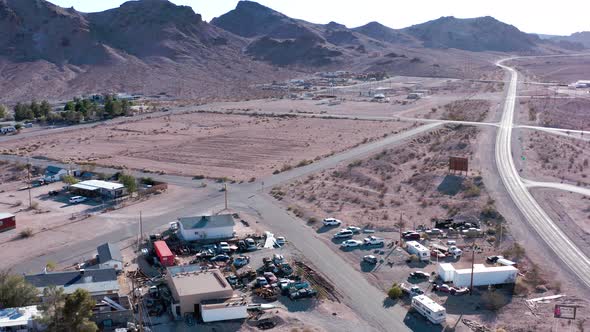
[(109, 255), (419, 250), (482, 275), (207, 227), (54, 173), (20, 319), (95, 188), (433, 311)]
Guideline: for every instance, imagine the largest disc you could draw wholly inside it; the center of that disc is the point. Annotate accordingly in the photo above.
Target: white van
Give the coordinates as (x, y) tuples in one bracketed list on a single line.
[(77, 199)]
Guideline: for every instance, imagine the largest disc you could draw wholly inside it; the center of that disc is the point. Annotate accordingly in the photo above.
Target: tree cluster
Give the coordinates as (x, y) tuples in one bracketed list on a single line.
[(75, 111), (63, 312)]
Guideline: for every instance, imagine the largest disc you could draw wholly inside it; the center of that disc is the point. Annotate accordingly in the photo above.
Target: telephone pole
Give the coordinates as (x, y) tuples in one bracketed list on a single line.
[(472, 266), (29, 182), (225, 186), (140, 231)]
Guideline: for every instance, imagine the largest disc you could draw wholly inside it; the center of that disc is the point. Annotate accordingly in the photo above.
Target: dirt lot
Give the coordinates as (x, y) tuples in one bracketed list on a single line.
[(232, 146), (565, 113), (413, 179), (549, 157), (559, 69)]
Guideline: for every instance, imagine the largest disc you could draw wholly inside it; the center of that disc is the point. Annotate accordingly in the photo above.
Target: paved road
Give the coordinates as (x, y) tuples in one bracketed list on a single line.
[(526, 203), (555, 185), (571, 133)]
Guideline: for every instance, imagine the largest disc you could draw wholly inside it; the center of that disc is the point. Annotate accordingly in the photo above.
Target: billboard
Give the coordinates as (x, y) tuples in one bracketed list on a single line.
[(458, 164), (564, 311)]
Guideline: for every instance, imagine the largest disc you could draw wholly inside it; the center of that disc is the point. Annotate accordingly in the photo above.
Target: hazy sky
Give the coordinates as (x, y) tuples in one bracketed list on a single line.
[(539, 16)]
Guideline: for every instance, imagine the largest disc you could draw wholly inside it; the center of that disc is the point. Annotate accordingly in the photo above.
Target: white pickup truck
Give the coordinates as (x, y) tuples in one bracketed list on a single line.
[(374, 241)]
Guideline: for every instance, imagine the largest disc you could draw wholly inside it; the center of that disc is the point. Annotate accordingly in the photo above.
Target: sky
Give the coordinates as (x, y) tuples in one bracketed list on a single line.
[(533, 16)]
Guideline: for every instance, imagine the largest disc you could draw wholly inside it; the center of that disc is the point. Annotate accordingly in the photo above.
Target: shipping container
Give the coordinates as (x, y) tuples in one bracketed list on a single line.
[(485, 276), (7, 222), (164, 254)]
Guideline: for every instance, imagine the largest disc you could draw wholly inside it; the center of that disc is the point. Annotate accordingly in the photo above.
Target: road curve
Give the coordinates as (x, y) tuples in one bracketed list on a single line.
[(558, 186), (565, 249)]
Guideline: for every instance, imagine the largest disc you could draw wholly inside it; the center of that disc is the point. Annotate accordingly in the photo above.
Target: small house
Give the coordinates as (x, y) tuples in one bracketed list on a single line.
[(20, 319), (54, 173), (98, 282), (99, 188), (109, 256), (207, 227)]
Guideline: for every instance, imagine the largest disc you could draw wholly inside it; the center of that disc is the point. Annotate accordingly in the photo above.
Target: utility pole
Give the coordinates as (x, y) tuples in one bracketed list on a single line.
[(401, 223), (225, 186), (140, 230), (472, 266), (29, 182)]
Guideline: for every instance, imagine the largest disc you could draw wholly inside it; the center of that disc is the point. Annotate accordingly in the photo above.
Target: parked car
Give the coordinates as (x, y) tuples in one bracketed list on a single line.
[(250, 244), (241, 261), (370, 259), (419, 275), (434, 232), (270, 277), (351, 244), (459, 291), (277, 259), (412, 236), (281, 240), (77, 199), (303, 293), (493, 259), (232, 279), (220, 258), (261, 282), (354, 229), (451, 243), (285, 269), (374, 241), (437, 253), (332, 222), (442, 288), (224, 247), (53, 193), (345, 233)]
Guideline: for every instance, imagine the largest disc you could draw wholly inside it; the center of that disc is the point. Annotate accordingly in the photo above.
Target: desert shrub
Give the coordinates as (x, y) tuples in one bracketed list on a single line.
[(520, 288), (304, 162), (395, 292), (26, 233), (252, 179), (69, 179), (472, 191), (34, 205), (515, 252), (493, 300)]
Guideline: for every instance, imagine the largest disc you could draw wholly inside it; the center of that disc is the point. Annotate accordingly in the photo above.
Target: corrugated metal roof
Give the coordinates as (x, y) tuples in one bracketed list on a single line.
[(97, 184), (107, 252), (221, 220), (93, 280)]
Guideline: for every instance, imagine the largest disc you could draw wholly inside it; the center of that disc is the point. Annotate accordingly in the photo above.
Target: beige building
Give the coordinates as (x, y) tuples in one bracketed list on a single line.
[(190, 285)]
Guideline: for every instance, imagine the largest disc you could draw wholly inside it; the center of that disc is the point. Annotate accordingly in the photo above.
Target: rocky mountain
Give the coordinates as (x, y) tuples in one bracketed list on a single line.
[(473, 34), (578, 37), (383, 33)]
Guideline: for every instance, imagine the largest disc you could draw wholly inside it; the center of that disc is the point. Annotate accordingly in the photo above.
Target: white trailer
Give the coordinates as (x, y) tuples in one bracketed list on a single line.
[(485, 276), (446, 271), (224, 310), (419, 250), (433, 311)]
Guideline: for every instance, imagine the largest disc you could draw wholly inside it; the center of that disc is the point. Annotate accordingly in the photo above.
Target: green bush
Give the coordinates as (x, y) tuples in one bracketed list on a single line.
[(395, 292)]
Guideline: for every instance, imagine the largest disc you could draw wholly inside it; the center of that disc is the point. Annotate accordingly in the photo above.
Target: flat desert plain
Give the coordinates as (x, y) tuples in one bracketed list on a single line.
[(215, 145)]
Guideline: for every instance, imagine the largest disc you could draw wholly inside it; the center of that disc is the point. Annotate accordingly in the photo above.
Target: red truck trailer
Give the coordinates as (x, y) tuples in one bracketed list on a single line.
[(164, 254), (7, 221)]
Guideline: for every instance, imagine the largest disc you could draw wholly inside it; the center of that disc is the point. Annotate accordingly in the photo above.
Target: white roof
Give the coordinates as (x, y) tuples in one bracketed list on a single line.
[(417, 245), (483, 268), (429, 303), (18, 316), (446, 266), (97, 184), (4, 215)]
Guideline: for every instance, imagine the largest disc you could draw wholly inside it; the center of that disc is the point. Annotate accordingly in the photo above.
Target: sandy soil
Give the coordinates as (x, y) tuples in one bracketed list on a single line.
[(555, 158), (565, 113), (233, 146), (558, 69), (413, 179)]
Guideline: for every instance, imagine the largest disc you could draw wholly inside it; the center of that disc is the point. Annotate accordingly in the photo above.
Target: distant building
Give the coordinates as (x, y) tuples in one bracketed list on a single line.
[(20, 319), (191, 285), (99, 188), (109, 256), (98, 282), (207, 227), (582, 84)]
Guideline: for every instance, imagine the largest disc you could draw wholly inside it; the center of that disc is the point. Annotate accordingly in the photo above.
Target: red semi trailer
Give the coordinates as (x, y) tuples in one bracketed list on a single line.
[(164, 254), (7, 222)]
